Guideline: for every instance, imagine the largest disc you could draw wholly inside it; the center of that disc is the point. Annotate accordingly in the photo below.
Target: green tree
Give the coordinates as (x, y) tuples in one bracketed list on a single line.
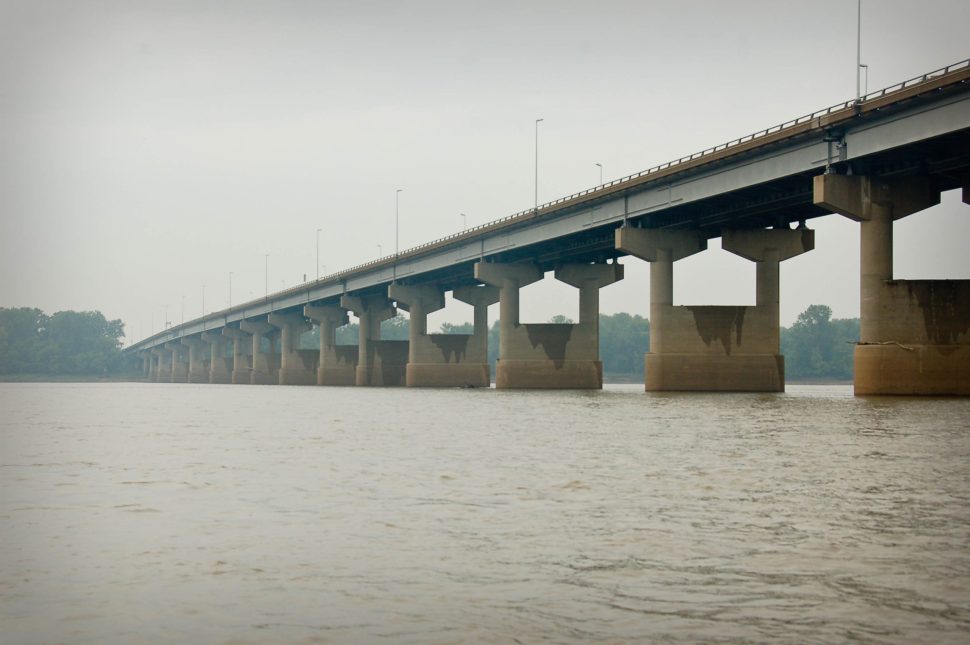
[(624, 339), (818, 347), (67, 342), (21, 337), (464, 328)]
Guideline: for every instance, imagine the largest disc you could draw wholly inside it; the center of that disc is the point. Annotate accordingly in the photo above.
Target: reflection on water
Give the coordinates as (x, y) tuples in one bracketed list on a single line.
[(156, 513)]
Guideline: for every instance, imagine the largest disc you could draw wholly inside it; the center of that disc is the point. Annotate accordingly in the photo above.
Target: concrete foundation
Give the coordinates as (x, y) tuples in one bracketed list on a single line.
[(220, 366), (703, 348), (162, 365), (242, 343), (379, 362), (265, 363), (551, 356), (180, 362), (914, 334), (198, 359), (337, 364), (296, 367), (445, 360)]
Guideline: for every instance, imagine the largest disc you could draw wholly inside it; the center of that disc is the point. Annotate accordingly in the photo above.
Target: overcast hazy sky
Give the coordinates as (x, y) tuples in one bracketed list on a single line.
[(150, 147)]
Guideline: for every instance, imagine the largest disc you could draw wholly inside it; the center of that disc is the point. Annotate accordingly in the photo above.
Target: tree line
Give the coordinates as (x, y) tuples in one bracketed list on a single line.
[(816, 346), (63, 343)]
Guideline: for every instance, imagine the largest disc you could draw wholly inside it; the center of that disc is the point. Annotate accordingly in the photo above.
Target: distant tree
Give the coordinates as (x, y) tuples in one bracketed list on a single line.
[(818, 347), (464, 328), (624, 339), (395, 328), (348, 334), (21, 336), (560, 319), (67, 342)]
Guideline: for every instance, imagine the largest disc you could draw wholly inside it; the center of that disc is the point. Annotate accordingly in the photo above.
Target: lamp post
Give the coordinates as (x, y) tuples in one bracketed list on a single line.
[(464, 222), (183, 309), (858, 50), (601, 172), (865, 87), (380, 252), (230, 290), (318, 254), (203, 307), (266, 274), (537, 165)]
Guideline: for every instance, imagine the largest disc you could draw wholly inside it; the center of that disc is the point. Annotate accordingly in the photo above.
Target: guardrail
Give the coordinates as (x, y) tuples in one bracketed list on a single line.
[(793, 126)]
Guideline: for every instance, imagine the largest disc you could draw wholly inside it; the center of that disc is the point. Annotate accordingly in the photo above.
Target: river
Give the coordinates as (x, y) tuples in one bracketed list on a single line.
[(161, 513)]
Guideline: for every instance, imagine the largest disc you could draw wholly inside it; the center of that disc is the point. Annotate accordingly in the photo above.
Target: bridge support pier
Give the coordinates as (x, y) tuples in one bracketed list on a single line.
[(161, 365), (551, 356), (296, 368), (180, 362), (265, 369), (242, 369), (338, 363), (146, 365), (445, 360), (711, 348), (219, 371), (198, 370), (379, 362), (914, 334)]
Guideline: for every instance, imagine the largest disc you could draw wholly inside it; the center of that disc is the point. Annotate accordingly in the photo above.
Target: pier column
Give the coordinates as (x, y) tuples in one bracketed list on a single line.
[(914, 334), (714, 348), (296, 367), (198, 351), (161, 365), (441, 360), (242, 344), (265, 368), (180, 361), (146, 364), (549, 355), (379, 362), (219, 364), (338, 363)]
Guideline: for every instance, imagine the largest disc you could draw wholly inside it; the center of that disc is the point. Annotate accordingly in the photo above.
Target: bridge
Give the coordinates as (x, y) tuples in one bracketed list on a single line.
[(873, 160)]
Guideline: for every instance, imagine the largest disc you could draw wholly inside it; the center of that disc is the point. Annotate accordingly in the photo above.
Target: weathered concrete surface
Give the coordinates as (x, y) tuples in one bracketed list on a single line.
[(220, 366), (336, 364), (297, 367), (379, 362), (180, 361), (242, 367), (913, 333), (265, 365), (162, 372), (715, 348), (445, 360), (198, 363), (550, 356)]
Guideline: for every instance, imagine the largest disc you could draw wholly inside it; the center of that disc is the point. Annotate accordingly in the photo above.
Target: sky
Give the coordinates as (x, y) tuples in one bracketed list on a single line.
[(149, 148)]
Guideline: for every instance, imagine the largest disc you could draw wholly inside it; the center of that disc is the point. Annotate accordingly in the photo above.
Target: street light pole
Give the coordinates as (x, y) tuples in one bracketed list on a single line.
[(464, 222), (537, 165), (230, 289), (380, 252), (203, 307), (318, 254), (858, 50), (397, 210), (266, 274), (865, 87), (601, 173)]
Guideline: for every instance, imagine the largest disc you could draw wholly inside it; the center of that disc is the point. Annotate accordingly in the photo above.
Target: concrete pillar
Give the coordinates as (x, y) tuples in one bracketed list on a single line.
[(198, 371), (296, 367), (548, 355), (162, 365), (219, 364), (379, 362), (180, 361), (714, 348), (242, 369), (146, 364), (265, 367), (914, 334), (337, 364), (444, 360)]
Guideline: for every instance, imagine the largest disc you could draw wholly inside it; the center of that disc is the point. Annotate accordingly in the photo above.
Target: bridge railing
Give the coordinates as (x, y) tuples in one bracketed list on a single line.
[(793, 125)]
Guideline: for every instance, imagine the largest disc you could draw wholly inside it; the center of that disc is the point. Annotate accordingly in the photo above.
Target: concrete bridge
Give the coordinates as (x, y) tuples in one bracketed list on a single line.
[(874, 161)]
